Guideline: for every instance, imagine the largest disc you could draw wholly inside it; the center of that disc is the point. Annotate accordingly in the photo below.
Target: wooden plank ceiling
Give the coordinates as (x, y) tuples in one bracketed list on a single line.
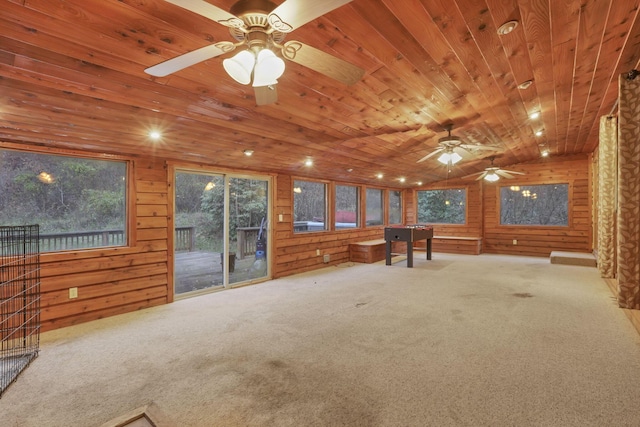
[(72, 76)]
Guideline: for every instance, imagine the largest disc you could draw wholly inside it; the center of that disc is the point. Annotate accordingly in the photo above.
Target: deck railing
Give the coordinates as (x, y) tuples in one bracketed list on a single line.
[(185, 239), (82, 239), (247, 237)]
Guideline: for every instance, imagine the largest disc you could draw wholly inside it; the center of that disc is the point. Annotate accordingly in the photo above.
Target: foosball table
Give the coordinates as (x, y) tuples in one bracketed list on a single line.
[(409, 234)]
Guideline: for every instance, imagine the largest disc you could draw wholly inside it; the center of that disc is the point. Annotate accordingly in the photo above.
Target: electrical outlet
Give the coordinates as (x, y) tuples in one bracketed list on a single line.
[(73, 293), (318, 252), (515, 242), (326, 258)]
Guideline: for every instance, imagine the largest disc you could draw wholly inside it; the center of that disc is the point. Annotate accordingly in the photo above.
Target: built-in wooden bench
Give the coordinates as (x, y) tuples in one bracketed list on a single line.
[(455, 245), (370, 251)]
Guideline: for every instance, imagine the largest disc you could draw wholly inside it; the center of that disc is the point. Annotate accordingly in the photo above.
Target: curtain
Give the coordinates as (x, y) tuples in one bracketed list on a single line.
[(628, 218), (607, 166)]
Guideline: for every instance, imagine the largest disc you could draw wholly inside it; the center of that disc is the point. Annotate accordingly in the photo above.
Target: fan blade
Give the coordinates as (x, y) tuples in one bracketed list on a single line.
[(461, 151), (476, 147), (188, 59), (504, 174), (428, 156), (293, 14), (482, 175), (210, 11), (265, 94), (513, 172), (322, 62)]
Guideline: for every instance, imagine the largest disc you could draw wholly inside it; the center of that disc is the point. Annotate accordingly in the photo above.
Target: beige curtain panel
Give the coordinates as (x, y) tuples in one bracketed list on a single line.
[(607, 176), (628, 218)]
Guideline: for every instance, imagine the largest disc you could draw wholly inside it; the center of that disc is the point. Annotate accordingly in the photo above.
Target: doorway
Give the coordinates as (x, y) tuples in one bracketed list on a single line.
[(220, 231)]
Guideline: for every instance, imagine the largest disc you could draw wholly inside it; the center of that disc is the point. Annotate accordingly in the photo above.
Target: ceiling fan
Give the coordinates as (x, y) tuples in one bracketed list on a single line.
[(493, 173), (259, 28), (451, 149)]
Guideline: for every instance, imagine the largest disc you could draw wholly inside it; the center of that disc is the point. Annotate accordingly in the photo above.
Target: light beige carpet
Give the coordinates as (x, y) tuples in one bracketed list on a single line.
[(456, 341)]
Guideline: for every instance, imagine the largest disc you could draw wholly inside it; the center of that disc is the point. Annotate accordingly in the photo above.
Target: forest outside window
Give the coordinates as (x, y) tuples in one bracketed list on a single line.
[(79, 203), (347, 207), (309, 206), (542, 205), (375, 212), (445, 206), (395, 207)]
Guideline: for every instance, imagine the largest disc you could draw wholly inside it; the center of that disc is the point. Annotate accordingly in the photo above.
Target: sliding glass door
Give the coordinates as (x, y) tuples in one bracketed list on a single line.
[(220, 231)]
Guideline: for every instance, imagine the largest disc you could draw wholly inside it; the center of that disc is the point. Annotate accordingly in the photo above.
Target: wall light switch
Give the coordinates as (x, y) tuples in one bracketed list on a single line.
[(73, 293), (318, 252), (515, 242), (280, 217)]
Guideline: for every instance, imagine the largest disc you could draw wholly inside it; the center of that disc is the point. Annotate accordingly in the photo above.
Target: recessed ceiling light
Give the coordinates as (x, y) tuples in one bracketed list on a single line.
[(507, 27), (402, 179), (308, 162), (248, 152), (350, 170), (539, 133), (534, 115), (525, 85), (419, 182), (545, 153), (379, 176), (154, 134)]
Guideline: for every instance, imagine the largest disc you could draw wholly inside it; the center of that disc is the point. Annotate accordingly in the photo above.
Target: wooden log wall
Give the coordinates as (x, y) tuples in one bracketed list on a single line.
[(297, 252), (539, 240), (117, 280)]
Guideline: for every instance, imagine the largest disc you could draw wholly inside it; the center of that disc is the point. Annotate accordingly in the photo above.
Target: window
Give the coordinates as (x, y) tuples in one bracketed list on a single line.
[(78, 203), (546, 204), (347, 207), (309, 206), (374, 206), (395, 207), (442, 206)]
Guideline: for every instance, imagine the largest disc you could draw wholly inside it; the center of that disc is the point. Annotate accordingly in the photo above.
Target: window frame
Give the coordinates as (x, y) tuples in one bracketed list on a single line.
[(569, 225), (383, 217), (389, 210), (130, 193), (328, 216), (465, 188), (334, 207)]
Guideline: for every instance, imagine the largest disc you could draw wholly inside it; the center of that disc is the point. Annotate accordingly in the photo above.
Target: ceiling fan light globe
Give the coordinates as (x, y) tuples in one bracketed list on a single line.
[(444, 158), (455, 158), (240, 66), (492, 177), (449, 158), (268, 68)]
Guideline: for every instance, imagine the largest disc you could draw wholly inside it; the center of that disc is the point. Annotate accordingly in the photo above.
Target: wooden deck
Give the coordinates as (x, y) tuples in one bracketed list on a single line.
[(201, 270)]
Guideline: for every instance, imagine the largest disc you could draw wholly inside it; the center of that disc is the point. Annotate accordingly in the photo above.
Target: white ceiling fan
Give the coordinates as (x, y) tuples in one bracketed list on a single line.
[(494, 173), (451, 148), (259, 28)]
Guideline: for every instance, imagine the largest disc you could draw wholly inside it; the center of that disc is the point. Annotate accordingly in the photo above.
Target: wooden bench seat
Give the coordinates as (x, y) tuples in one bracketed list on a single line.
[(455, 245), (370, 251)]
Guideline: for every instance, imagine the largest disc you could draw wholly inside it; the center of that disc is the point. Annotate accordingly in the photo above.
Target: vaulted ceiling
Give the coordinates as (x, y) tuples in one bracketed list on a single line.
[(72, 76)]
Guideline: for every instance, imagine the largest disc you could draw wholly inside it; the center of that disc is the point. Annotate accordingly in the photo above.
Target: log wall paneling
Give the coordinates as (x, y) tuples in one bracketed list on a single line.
[(296, 252), (115, 280), (540, 240)]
